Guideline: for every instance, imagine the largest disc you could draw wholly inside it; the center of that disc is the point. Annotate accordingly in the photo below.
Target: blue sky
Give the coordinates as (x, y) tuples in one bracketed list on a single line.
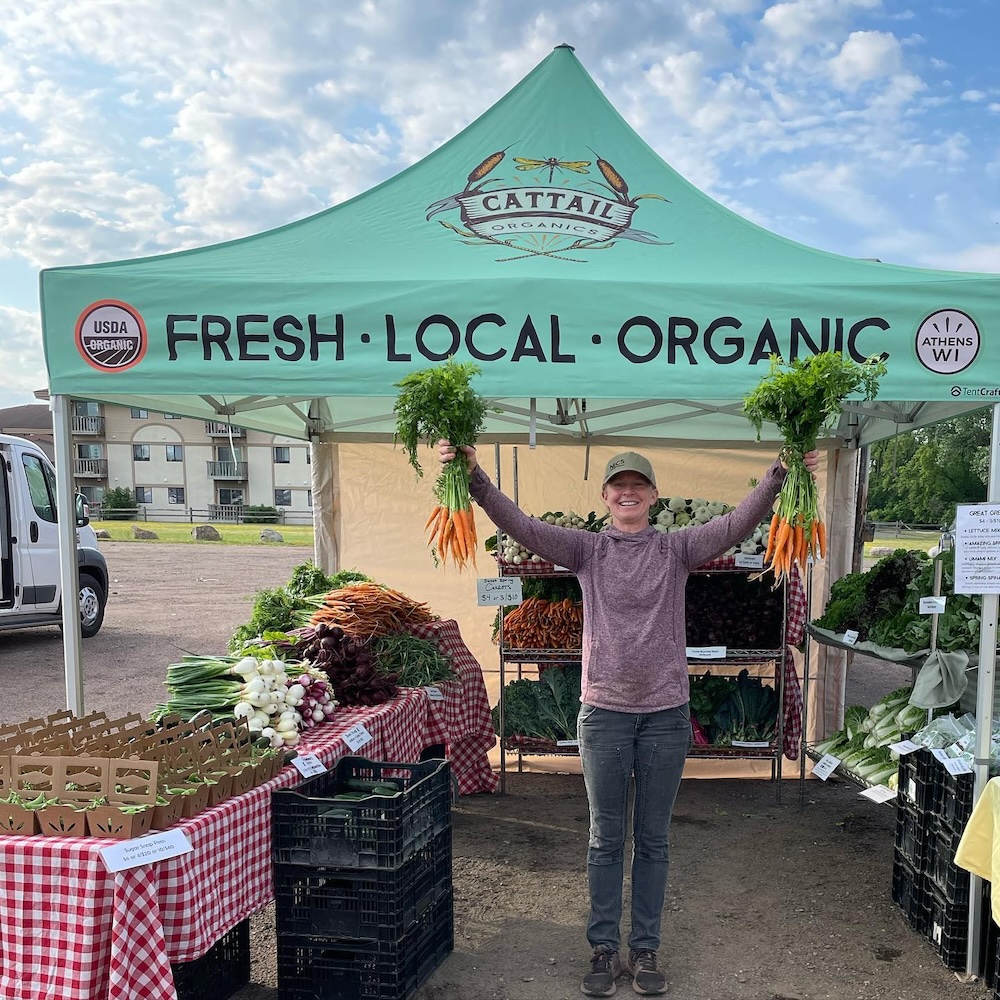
[(869, 128)]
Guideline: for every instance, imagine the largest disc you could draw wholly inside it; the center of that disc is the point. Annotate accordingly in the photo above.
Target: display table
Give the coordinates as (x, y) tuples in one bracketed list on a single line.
[(72, 931)]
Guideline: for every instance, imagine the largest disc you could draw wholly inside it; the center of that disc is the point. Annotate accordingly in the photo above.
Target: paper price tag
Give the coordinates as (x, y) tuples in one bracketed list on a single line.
[(750, 743), (932, 605), (567, 743), (957, 765), (941, 755), (357, 736), (744, 560), (501, 591), (434, 693), (904, 747), (963, 741), (825, 766), (308, 765), (850, 637), (145, 850), (706, 652), (879, 793), (561, 569)]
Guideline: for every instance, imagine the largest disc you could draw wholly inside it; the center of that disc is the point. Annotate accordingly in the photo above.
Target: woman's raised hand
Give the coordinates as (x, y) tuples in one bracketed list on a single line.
[(810, 459), (446, 452)]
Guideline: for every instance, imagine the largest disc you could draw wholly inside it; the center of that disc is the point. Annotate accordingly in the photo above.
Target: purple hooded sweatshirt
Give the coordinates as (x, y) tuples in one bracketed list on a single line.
[(634, 648)]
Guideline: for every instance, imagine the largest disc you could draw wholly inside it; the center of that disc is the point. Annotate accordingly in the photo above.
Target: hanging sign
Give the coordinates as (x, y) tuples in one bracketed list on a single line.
[(977, 549), (825, 766)]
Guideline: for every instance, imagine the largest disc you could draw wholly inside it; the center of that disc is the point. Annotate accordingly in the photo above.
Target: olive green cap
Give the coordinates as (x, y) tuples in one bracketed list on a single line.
[(628, 461)]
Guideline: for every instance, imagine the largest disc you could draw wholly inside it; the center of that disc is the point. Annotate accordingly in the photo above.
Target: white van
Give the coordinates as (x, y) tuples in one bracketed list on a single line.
[(29, 545)]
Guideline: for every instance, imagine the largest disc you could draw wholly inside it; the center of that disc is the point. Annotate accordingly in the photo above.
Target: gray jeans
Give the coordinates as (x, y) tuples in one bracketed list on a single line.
[(614, 747)]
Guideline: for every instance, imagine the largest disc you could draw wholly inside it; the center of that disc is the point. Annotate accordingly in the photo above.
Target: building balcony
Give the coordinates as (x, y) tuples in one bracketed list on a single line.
[(90, 468), (228, 470), (224, 430), (89, 425)]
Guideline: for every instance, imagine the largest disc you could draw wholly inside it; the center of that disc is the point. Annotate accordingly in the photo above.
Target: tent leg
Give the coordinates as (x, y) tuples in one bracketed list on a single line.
[(984, 702), (69, 570)]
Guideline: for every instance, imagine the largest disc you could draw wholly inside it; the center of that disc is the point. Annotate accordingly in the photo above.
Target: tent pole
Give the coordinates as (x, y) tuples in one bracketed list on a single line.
[(69, 570), (984, 703)]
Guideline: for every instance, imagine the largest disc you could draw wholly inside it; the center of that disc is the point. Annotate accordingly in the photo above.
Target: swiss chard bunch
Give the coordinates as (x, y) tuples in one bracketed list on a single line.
[(800, 398)]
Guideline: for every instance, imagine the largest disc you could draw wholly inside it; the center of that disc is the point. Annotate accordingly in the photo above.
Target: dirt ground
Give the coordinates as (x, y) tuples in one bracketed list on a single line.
[(767, 900)]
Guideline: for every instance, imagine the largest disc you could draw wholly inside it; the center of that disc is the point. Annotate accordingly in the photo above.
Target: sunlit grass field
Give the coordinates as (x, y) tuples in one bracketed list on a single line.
[(181, 531)]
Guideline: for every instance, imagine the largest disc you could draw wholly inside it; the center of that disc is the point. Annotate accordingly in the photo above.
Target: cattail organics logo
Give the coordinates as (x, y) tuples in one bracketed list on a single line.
[(111, 335), (548, 207)]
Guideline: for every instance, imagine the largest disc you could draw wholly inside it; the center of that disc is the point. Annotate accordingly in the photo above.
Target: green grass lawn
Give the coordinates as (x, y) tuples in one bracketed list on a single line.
[(180, 531), (904, 540)]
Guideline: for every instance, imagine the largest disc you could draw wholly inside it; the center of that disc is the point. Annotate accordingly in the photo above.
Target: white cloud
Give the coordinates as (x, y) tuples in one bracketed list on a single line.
[(803, 21), (993, 107), (981, 257), (865, 56), (839, 188), (973, 95), (20, 356)]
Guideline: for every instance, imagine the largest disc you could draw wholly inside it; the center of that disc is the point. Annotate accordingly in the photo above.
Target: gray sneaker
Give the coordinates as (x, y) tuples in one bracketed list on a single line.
[(647, 980), (605, 968)]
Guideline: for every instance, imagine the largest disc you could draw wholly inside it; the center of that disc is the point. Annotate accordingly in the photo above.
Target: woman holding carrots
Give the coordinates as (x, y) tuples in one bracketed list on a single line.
[(634, 719)]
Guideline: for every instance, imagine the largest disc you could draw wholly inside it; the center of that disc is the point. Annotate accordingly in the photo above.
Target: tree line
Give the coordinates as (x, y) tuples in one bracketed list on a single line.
[(920, 476)]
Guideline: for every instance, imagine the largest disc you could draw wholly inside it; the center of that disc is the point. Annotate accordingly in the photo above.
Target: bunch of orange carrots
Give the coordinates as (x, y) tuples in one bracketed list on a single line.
[(452, 533), (791, 541), (440, 403)]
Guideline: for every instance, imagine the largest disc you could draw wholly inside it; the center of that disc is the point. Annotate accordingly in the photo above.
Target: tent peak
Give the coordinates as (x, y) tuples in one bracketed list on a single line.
[(565, 45)]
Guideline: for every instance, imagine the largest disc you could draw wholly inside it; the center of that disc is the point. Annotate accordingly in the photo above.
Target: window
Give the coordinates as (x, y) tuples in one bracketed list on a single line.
[(89, 451), (309, 498), (175, 494), (309, 456), (282, 456), (282, 498), (92, 494), (140, 453), (138, 414), (171, 416), (175, 453), (42, 487), (231, 497), (82, 408), (225, 454), (144, 494)]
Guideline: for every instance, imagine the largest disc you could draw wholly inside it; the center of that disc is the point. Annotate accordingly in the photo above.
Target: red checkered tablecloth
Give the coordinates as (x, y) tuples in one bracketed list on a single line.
[(70, 930)]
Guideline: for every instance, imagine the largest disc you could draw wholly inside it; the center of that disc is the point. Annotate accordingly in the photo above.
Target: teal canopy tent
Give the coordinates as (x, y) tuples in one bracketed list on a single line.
[(603, 296)]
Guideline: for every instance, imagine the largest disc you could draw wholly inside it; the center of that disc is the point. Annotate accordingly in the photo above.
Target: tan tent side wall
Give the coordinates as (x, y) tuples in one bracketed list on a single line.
[(381, 508)]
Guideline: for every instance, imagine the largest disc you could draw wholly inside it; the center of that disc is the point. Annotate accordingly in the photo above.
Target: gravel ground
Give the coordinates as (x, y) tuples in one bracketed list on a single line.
[(767, 900)]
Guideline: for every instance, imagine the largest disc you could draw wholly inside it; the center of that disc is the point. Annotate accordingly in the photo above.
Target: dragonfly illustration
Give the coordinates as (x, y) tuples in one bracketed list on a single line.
[(553, 163)]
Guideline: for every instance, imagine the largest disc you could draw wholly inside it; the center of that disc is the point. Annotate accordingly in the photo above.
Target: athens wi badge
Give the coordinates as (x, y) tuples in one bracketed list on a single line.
[(546, 207), (111, 335)]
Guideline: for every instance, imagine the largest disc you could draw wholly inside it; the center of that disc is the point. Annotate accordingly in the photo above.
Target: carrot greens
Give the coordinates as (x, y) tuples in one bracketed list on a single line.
[(438, 403), (800, 398)]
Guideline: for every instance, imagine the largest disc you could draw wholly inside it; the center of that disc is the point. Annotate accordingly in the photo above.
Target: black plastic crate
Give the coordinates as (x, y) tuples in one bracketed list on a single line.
[(918, 781), (220, 972), (912, 835), (908, 892), (311, 827), (318, 969), (947, 878), (362, 903), (948, 929), (954, 798)]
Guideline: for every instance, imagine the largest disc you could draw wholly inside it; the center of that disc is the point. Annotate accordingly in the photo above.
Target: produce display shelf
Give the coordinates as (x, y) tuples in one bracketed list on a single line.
[(534, 655), (538, 747), (732, 753)]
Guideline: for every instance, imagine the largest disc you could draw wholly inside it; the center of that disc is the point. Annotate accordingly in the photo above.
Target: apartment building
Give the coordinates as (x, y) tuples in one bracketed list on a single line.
[(180, 468)]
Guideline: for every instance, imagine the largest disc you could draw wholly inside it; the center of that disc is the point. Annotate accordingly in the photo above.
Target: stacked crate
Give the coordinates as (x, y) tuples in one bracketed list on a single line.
[(363, 889), (933, 893)]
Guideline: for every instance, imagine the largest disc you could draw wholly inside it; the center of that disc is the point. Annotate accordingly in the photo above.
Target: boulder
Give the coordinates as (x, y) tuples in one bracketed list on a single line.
[(103, 533), (138, 532), (877, 551), (206, 533), (270, 535)]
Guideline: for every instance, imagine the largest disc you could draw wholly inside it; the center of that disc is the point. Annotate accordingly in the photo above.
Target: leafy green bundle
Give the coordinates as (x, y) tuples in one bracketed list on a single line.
[(435, 404), (800, 398), (544, 709)]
